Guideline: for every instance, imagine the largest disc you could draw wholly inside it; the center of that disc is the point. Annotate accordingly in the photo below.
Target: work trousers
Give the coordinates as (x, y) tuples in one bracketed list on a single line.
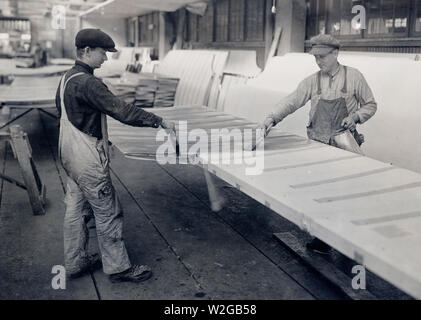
[(90, 193)]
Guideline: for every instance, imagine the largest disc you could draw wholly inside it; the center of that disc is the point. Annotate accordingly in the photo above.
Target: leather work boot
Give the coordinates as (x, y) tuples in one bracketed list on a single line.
[(92, 263), (136, 273), (318, 246)]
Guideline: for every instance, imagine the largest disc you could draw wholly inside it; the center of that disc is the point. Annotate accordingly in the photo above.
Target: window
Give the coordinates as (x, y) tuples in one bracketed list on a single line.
[(229, 21), (387, 17), (148, 28), (384, 18), (346, 27), (332, 17), (236, 28), (417, 18), (131, 37), (255, 13), (221, 20)]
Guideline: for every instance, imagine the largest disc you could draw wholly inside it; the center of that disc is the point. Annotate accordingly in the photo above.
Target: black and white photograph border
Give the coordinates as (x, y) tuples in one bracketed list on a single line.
[(204, 151)]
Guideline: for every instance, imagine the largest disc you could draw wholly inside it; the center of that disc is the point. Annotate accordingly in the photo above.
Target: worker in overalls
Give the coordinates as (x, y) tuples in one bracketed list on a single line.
[(83, 101), (340, 99)]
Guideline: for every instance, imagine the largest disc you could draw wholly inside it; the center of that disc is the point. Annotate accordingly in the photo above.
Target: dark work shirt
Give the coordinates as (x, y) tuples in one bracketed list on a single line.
[(86, 97)]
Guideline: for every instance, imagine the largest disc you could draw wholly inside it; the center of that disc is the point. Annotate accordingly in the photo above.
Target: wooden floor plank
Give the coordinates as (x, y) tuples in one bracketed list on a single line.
[(171, 280), (207, 246)]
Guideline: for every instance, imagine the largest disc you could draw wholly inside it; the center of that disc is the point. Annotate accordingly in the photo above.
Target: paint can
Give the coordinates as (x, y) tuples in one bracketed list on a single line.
[(345, 140)]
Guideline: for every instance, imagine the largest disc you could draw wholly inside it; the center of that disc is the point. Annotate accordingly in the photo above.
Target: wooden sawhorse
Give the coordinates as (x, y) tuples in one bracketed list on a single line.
[(23, 153)]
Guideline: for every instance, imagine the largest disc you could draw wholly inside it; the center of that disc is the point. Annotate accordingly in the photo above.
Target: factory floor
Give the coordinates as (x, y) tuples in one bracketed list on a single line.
[(194, 252)]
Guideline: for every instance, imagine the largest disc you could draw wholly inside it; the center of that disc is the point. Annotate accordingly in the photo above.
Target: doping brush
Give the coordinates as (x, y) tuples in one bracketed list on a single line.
[(259, 138)]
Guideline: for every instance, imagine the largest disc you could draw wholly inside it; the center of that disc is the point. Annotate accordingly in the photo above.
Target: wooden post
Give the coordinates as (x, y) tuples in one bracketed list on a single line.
[(164, 36), (180, 25), (34, 186)]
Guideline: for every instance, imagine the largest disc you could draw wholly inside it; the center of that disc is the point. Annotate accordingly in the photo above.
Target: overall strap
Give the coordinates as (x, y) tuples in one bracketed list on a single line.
[(104, 131), (63, 85), (345, 81), (319, 87)]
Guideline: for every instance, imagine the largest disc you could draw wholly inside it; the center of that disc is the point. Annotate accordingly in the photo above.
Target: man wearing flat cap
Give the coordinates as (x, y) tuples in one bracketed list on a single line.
[(340, 99), (83, 101)]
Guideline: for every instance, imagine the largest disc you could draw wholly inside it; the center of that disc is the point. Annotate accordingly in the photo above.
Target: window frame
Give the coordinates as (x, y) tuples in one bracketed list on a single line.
[(410, 29), (394, 34), (414, 7)]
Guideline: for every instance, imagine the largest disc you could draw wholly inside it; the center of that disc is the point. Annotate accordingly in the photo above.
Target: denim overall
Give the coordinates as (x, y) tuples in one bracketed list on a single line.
[(326, 120)]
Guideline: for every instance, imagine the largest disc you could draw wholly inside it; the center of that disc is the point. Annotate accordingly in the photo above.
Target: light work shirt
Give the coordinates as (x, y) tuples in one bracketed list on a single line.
[(359, 98)]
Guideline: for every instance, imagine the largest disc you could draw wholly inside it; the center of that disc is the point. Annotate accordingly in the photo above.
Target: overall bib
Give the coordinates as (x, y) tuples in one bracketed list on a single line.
[(326, 120), (89, 192)]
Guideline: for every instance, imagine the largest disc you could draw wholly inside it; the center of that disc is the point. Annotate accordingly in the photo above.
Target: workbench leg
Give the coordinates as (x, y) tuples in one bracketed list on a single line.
[(34, 186)]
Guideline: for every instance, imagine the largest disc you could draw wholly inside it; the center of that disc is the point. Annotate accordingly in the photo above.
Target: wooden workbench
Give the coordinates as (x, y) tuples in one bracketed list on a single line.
[(366, 209), (45, 71), (30, 91)]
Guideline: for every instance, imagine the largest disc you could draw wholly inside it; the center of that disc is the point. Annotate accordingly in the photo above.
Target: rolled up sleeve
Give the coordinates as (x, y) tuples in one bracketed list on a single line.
[(99, 97)]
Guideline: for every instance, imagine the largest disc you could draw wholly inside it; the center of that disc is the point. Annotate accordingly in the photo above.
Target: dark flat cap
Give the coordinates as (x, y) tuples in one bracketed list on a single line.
[(94, 38), (323, 43)]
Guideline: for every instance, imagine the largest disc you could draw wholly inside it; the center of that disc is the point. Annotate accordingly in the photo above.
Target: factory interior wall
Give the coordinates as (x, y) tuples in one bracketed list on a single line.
[(41, 31), (227, 25), (61, 40), (68, 37), (116, 28)]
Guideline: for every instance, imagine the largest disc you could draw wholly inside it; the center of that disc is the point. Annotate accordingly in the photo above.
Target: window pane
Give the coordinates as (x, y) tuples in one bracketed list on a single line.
[(221, 26), (380, 19), (139, 30), (131, 36), (237, 20), (192, 27), (334, 13), (375, 21), (206, 25), (347, 16), (388, 16), (255, 20), (401, 16), (311, 24), (418, 16), (321, 13)]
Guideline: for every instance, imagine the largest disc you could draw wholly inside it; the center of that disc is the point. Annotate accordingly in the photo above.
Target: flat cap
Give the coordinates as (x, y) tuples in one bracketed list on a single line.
[(94, 38), (323, 43)]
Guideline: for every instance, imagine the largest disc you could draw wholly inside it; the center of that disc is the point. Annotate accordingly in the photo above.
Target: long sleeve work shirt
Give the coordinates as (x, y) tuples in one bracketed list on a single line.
[(86, 97), (359, 98)]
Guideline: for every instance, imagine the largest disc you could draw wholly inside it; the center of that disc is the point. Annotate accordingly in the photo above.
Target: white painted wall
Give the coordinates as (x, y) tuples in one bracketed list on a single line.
[(393, 134)]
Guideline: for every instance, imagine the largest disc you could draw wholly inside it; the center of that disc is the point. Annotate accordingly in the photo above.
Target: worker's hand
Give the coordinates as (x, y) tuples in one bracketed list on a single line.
[(267, 124), (168, 125), (349, 123)]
